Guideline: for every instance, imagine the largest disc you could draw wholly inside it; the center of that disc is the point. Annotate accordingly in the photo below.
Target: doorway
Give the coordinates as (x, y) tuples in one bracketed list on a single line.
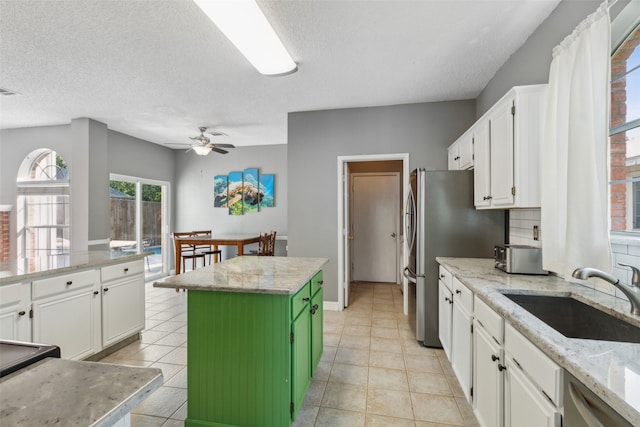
[(375, 225), (139, 220), (378, 164)]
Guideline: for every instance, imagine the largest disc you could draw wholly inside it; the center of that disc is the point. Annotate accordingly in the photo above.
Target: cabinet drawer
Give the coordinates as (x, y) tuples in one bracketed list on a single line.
[(492, 321), (463, 296), (300, 300), (445, 277), (63, 283), (316, 283), (540, 369), (13, 294), (124, 269)]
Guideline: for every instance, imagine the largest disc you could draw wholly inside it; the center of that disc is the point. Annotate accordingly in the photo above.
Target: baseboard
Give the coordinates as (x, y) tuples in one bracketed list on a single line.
[(331, 306)]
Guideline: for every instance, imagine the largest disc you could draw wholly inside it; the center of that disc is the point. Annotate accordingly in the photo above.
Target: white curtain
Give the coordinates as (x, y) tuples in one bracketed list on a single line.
[(574, 162)]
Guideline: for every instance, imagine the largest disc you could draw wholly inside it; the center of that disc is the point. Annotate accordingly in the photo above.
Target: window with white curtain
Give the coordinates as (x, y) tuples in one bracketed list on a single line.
[(43, 205), (625, 135)]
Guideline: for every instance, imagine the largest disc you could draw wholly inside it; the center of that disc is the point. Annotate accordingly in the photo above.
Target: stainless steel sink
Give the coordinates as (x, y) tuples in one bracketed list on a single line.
[(575, 319), (15, 355)]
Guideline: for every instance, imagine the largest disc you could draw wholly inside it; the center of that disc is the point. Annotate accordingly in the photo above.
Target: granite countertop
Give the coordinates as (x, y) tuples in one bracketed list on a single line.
[(610, 369), (68, 392), (250, 274), (31, 268)]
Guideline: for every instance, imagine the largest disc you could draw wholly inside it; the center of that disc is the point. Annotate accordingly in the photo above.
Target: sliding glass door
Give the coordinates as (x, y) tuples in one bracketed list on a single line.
[(139, 220)]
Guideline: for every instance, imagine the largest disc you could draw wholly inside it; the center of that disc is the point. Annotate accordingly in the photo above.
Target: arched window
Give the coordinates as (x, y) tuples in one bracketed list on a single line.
[(43, 205)]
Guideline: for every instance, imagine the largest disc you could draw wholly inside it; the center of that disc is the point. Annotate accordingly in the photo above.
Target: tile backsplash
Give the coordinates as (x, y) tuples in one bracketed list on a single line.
[(625, 249)]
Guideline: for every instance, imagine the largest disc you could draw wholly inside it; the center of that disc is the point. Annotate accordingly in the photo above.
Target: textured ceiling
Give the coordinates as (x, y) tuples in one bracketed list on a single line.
[(157, 70)]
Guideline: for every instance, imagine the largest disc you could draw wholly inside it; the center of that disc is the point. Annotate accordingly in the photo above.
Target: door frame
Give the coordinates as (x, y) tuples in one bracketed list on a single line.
[(397, 175), (343, 219)]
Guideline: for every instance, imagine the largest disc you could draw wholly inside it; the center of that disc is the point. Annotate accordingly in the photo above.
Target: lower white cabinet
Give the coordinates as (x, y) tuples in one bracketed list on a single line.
[(121, 313), (66, 313), (445, 308), (524, 404), (488, 384), (461, 336), (15, 302)]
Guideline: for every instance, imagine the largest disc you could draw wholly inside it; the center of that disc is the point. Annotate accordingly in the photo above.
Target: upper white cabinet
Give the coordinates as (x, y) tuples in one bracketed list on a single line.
[(507, 150), (460, 154)]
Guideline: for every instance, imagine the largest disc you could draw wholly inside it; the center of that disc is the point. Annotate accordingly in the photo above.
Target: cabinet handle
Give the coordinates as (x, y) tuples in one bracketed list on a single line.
[(96, 292), (442, 276), (69, 282), (313, 311), (315, 306), (306, 299), (494, 357), (447, 299), (458, 291), (126, 270), (22, 313), (320, 282), (501, 367), (106, 289)]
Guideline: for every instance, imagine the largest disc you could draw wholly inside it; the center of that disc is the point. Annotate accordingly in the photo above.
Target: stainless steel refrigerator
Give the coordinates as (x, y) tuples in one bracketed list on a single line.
[(442, 221)]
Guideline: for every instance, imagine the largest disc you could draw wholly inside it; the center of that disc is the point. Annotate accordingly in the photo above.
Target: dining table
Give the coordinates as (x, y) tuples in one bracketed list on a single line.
[(215, 240)]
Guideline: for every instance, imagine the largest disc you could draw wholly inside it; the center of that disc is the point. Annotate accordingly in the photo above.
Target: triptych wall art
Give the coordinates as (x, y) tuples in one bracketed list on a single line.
[(244, 192)]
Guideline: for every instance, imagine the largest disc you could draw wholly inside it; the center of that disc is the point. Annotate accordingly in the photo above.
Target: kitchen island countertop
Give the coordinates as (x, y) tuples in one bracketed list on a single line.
[(610, 369), (249, 274), (67, 392)]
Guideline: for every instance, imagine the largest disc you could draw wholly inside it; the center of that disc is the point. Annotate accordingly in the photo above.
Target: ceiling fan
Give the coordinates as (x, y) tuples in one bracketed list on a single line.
[(202, 145)]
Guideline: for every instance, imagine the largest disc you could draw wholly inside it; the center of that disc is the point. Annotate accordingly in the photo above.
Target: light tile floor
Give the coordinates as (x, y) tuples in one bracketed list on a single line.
[(372, 372)]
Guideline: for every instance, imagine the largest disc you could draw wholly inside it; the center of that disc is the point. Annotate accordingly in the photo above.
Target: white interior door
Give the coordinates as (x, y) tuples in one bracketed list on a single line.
[(346, 235), (375, 225)]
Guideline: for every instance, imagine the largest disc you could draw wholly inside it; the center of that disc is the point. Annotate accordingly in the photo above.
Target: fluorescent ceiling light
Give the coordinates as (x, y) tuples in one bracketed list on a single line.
[(201, 150), (245, 25)]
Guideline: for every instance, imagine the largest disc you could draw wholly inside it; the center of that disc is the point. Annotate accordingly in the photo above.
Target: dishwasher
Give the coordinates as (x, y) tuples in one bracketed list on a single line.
[(582, 408)]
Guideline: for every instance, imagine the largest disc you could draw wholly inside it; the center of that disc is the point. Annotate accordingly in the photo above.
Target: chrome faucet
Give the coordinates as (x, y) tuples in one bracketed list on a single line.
[(632, 292)]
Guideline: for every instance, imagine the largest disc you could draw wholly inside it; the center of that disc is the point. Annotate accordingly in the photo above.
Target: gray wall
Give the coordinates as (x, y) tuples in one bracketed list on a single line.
[(194, 191), (530, 64), (317, 138), (91, 152)]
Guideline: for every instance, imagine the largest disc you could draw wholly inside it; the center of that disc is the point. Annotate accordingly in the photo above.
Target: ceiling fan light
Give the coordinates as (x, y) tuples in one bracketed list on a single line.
[(244, 24), (201, 150)]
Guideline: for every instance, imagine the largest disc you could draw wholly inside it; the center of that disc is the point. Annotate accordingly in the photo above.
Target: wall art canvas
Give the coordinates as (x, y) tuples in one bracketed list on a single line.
[(220, 191), (266, 188), (234, 193), (250, 191)]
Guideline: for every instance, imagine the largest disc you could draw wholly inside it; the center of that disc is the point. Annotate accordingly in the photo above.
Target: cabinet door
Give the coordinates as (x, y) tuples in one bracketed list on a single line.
[(487, 384), (501, 131), (453, 157), (482, 166), (122, 309), (444, 318), (69, 321), (316, 330), (461, 347), (465, 144), (300, 359), (524, 404), (14, 308)]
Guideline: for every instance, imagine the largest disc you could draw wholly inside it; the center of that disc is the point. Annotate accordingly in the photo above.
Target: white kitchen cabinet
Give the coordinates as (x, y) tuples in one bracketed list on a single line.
[(515, 125), (460, 153), (525, 406), (122, 301), (66, 313), (15, 303), (445, 307), (461, 336)]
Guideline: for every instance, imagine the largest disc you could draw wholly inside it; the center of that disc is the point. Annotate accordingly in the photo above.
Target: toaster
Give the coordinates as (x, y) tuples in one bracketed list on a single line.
[(518, 259)]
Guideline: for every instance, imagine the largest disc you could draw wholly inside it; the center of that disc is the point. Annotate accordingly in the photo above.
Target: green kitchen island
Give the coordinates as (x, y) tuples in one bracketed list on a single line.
[(254, 339)]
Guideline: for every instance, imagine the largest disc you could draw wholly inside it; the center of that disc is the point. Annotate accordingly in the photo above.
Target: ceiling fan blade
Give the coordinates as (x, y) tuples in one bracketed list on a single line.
[(224, 145), (217, 133), (219, 150)]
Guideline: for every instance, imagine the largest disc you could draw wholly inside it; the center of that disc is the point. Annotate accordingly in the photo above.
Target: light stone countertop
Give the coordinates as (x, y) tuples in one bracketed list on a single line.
[(610, 369), (74, 393), (26, 269), (249, 274)]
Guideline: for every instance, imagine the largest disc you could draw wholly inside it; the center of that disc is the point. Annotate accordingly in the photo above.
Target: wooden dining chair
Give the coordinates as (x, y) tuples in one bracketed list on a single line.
[(188, 251), (267, 244), (208, 249)]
